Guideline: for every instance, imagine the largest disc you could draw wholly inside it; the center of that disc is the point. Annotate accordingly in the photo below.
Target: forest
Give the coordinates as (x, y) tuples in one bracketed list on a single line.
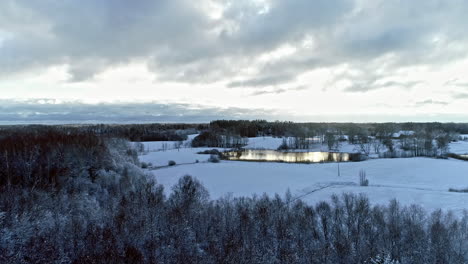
[(74, 196), (132, 132), (253, 128)]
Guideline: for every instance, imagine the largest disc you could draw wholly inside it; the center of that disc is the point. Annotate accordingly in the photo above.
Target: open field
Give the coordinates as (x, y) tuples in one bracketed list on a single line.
[(423, 181)]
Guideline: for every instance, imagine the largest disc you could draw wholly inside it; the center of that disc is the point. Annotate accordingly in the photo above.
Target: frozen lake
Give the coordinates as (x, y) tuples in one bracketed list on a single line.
[(289, 157)]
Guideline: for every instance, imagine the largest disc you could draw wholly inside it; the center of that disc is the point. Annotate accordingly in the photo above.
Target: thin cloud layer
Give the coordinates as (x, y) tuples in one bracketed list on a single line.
[(50, 110)]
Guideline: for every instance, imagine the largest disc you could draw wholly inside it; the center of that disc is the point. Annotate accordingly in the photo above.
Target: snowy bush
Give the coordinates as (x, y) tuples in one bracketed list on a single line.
[(213, 158), (465, 190), (139, 147), (383, 260), (209, 151), (144, 165), (171, 163)]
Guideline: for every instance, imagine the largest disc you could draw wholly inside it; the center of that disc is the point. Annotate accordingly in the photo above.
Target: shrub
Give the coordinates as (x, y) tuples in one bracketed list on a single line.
[(383, 260), (209, 151), (207, 139), (363, 181), (357, 157), (171, 163), (213, 158), (144, 165), (284, 145), (465, 190)]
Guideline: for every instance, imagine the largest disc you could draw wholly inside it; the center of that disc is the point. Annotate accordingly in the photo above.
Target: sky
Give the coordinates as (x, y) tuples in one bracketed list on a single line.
[(120, 61)]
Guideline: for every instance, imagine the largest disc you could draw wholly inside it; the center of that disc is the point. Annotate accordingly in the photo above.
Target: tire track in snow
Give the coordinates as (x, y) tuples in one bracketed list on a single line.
[(324, 187), (333, 184)]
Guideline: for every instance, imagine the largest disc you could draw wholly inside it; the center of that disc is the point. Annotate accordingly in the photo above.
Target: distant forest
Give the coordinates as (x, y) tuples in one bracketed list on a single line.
[(132, 132), (246, 128), (241, 128), (78, 195)]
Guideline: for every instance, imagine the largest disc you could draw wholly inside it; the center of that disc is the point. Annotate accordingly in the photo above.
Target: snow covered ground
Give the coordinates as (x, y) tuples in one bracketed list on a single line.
[(161, 145), (422, 181), (459, 147), (264, 143)]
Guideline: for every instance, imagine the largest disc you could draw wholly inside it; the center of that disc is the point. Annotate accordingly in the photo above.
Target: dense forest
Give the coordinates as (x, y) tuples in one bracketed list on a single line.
[(241, 129), (132, 132), (79, 197), (247, 128)]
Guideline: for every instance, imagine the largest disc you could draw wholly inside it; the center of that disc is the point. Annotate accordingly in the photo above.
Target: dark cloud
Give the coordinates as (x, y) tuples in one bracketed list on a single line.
[(90, 35), (180, 41), (282, 21), (364, 85), (278, 90), (261, 82)]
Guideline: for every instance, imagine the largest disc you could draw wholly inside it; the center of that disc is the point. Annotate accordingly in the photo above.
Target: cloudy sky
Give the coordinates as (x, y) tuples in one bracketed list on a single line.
[(193, 61)]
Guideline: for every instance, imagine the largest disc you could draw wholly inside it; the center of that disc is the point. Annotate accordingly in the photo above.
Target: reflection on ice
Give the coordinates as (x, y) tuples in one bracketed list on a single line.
[(293, 157)]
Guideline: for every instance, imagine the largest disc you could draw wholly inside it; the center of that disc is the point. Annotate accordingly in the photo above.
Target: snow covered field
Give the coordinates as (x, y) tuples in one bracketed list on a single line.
[(183, 155), (264, 143), (160, 145), (422, 181), (459, 147)]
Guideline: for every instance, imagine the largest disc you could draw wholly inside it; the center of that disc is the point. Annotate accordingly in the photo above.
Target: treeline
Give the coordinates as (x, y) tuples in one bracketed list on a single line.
[(214, 139), (383, 139), (49, 157), (246, 128), (132, 132), (148, 132)]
